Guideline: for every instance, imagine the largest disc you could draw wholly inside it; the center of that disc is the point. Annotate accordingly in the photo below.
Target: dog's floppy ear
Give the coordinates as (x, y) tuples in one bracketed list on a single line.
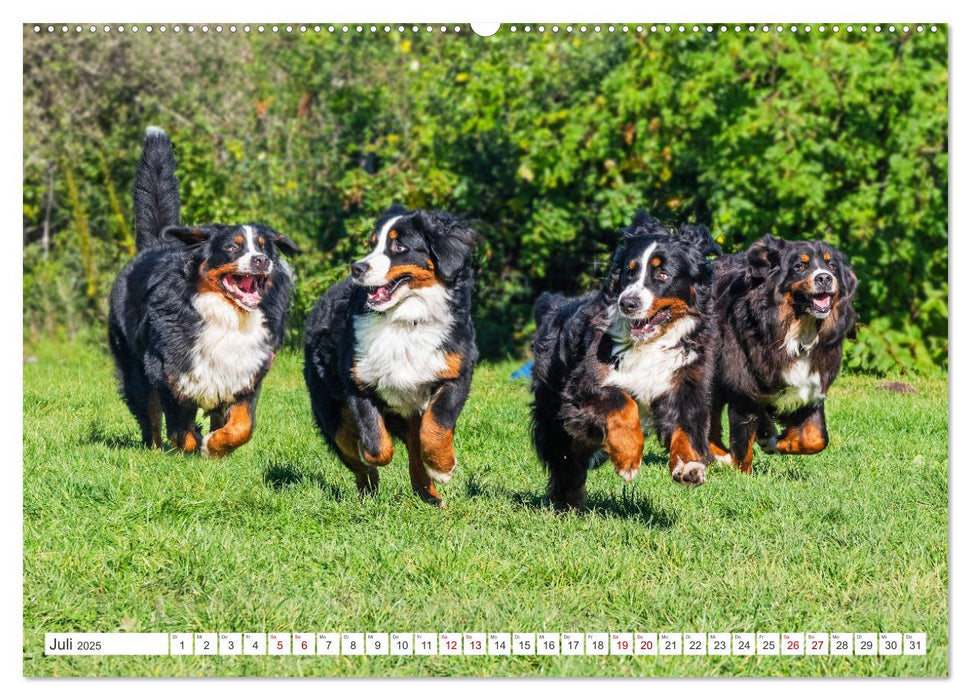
[(396, 209), (846, 278), (451, 242), (190, 235), (699, 237), (845, 316), (612, 282), (284, 243), (763, 256), (643, 224)]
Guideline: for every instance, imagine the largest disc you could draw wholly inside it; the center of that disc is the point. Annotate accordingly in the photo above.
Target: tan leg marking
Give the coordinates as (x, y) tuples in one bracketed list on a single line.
[(437, 450), (348, 439), (805, 439), (684, 463), (236, 432), (421, 482), (624, 440)]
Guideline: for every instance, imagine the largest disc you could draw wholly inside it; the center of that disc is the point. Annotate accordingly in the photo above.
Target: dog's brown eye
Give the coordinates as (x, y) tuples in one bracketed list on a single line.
[(232, 248), (397, 248), (660, 276), (832, 265), (799, 267)]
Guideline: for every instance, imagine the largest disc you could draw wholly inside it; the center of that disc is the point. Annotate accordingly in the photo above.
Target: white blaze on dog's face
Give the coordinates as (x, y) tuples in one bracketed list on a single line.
[(254, 260), (636, 297), (378, 260), (657, 277), (399, 272)]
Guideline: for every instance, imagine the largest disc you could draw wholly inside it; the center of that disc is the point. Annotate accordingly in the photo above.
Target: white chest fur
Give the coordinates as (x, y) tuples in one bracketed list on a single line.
[(804, 386), (231, 349), (399, 352), (646, 370)]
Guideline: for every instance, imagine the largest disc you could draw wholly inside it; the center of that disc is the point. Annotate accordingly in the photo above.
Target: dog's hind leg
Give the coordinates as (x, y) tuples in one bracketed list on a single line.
[(144, 403), (152, 428), (567, 480), (180, 422), (716, 443), (742, 427), (351, 453)]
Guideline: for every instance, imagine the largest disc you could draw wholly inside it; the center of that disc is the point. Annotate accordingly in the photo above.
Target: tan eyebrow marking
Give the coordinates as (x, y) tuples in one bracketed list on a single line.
[(261, 240), (238, 239), (393, 234), (374, 239), (655, 262), (633, 264), (826, 256), (804, 257)]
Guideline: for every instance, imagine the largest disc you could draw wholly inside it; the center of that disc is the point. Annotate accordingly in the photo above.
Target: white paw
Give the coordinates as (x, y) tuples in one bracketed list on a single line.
[(439, 477), (724, 459), (690, 473), (205, 445), (627, 475)]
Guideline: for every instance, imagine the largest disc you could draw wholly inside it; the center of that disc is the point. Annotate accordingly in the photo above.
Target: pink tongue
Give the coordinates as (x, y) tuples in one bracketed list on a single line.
[(245, 284), (380, 295), (821, 303)]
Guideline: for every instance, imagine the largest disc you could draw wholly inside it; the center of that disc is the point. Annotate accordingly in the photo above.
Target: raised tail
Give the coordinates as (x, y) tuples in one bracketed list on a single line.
[(156, 190)]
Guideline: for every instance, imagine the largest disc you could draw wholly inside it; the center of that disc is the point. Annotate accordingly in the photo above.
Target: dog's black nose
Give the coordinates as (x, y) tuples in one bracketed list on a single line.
[(359, 269), (823, 281), (629, 304), (260, 263)]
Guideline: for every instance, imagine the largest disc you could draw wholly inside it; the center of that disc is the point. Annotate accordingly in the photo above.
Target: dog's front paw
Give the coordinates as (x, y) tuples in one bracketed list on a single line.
[(439, 477), (688, 473), (628, 470)]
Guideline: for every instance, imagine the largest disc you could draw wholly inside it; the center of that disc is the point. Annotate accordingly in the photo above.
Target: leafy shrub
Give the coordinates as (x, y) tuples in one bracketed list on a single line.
[(546, 143)]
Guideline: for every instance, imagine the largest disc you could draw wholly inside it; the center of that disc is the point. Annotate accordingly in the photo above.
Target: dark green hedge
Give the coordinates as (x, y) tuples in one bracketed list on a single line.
[(548, 143)]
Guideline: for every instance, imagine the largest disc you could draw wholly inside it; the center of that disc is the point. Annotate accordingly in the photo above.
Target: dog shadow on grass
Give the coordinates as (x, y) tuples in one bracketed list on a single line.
[(281, 476), (629, 504), (97, 435)]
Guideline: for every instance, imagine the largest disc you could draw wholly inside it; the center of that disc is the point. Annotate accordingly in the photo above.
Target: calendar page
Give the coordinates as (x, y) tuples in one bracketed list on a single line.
[(538, 349)]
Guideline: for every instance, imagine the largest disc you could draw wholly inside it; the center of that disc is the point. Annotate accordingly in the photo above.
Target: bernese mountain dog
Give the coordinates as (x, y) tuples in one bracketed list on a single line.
[(196, 316), (630, 357), (390, 350), (783, 309)]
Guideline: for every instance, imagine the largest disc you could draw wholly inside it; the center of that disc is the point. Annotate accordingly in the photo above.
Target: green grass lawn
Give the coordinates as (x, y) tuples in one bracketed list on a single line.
[(274, 538)]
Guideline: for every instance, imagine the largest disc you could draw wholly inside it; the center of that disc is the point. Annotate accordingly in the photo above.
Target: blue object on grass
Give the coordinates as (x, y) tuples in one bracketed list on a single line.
[(524, 372)]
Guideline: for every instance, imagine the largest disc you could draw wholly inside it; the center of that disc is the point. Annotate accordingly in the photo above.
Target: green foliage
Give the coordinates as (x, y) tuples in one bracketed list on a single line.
[(547, 143)]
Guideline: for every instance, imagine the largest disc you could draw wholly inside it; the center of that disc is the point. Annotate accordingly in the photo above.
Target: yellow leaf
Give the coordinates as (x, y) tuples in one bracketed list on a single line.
[(406, 46), (462, 78)]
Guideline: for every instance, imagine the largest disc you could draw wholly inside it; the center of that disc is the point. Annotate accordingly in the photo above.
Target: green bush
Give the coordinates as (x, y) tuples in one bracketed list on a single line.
[(546, 143)]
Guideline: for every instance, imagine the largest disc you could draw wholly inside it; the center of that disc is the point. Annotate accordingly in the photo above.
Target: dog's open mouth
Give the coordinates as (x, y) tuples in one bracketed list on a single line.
[(245, 289), (646, 327), (821, 304), (378, 296)]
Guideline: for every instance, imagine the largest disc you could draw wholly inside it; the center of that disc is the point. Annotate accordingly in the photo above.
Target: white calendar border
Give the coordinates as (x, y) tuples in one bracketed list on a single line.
[(508, 10)]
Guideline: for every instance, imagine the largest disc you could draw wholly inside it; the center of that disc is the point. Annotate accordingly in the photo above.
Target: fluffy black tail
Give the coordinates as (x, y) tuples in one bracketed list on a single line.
[(156, 190)]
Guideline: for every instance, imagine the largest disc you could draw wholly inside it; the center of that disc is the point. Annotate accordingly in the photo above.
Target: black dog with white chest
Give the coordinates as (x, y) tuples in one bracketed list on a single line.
[(390, 350), (196, 316), (783, 310), (630, 356)]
